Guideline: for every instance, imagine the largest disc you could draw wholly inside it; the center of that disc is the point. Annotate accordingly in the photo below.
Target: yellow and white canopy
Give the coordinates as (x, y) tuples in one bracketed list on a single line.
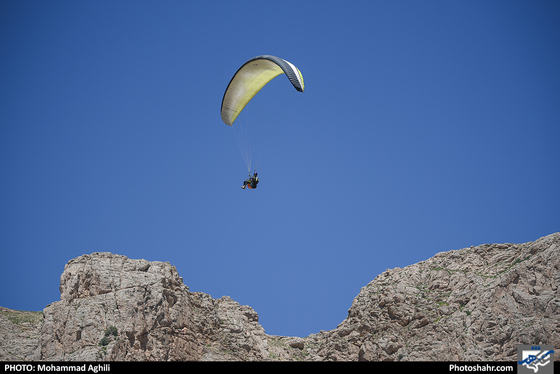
[(251, 77)]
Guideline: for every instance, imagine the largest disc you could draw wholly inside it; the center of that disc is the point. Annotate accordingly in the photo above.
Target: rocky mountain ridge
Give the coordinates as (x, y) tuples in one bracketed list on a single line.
[(471, 304)]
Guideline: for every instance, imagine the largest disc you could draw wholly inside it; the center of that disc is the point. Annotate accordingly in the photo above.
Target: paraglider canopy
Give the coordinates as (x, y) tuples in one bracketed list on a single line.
[(251, 77)]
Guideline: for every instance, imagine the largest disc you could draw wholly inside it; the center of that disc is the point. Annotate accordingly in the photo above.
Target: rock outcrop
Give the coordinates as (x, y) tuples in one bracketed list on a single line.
[(471, 304), (115, 308)]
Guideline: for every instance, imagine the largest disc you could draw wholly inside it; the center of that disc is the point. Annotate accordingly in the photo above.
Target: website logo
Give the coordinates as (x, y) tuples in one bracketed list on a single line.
[(532, 359)]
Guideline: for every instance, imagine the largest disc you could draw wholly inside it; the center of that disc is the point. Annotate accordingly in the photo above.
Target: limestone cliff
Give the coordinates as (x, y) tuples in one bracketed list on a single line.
[(472, 304)]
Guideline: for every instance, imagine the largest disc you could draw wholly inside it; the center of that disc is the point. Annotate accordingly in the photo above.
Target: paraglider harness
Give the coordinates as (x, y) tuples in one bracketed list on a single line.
[(251, 182)]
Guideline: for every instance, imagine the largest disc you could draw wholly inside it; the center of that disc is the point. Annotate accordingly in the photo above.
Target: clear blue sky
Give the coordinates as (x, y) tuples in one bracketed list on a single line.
[(425, 126)]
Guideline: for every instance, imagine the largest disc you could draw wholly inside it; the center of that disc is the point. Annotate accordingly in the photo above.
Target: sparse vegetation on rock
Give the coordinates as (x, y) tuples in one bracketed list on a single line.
[(471, 304)]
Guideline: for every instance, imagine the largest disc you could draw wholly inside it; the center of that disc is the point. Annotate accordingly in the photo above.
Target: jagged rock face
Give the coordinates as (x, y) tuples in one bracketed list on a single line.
[(472, 304), (115, 308)]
